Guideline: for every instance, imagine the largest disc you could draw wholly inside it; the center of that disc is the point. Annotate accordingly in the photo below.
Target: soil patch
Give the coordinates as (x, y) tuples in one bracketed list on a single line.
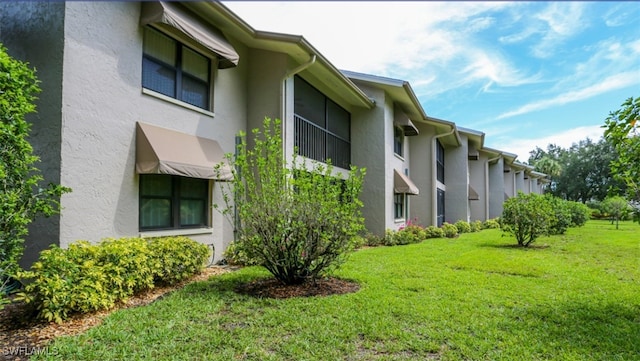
[(272, 288)]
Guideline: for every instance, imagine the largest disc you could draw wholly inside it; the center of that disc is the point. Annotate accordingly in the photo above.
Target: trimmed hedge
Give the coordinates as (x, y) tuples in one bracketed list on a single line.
[(88, 277)]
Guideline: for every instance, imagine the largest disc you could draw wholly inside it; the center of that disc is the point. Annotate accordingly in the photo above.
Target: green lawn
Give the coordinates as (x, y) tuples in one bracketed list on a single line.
[(575, 297)]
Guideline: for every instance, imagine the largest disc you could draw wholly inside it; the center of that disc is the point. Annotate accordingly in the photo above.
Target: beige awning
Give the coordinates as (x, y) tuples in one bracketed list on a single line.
[(402, 184), (406, 125), (473, 195), (164, 151), (175, 16)]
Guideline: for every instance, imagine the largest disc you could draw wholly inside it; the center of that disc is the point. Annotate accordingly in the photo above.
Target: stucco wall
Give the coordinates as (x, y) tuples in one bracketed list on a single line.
[(496, 188), (478, 181), (32, 32), (368, 150), (456, 178), (422, 174), (519, 176), (102, 101)]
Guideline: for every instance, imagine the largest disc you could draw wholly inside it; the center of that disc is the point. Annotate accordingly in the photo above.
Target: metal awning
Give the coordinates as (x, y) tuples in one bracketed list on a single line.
[(174, 15), (165, 151), (402, 184), (473, 195), (407, 126)]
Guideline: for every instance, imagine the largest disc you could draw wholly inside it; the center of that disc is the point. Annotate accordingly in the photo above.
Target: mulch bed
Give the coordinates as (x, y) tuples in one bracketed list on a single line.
[(19, 333), (272, 288)]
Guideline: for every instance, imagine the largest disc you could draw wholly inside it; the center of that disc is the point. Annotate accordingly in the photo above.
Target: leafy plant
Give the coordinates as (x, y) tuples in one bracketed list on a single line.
[(450, 230), (434, 232), (580, 213), (463, 226), (22, 197), (88, 277), (491, 224), (476, 226), (617, 208), (561, 219), (526, 216), (298, 219)]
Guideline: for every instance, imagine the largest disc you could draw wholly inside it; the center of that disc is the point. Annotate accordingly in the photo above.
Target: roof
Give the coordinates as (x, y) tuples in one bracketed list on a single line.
[(295, 46)]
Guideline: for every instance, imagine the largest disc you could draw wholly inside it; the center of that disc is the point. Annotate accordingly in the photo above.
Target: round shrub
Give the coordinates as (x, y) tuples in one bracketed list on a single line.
[(476, 226), (450, 230), (561, 219), (580, 213), (526, 216), (463, 226), (434, 232), (491, 224)]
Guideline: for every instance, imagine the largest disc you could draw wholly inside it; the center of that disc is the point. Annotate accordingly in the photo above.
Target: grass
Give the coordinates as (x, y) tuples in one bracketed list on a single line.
[(574, 297)]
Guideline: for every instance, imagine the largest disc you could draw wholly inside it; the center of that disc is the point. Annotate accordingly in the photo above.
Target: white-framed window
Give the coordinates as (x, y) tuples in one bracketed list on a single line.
[(399, 205), (175, 70), (440, 162), (398, 141), (173, 202)]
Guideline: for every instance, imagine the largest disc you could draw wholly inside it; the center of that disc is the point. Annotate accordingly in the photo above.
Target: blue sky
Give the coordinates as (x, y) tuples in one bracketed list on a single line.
[(525, 73)]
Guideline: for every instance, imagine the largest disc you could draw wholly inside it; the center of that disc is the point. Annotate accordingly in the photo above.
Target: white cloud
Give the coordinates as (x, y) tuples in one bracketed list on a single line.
[(613, 82), (522, 146), (563, 20)]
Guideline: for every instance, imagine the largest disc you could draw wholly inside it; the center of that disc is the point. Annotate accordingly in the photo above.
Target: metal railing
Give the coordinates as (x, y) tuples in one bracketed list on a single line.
[(320, 144)]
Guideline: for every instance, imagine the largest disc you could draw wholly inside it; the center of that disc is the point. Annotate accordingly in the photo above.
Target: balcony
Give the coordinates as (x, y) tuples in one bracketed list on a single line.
[(317, 143)]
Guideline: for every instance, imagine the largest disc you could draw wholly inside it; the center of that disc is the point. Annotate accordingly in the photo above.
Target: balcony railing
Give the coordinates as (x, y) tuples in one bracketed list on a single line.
[(320, 144)]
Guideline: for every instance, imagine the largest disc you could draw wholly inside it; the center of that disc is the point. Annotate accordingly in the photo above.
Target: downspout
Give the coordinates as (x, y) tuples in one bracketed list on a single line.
[(487, 187), (283, 96), (434, 176)]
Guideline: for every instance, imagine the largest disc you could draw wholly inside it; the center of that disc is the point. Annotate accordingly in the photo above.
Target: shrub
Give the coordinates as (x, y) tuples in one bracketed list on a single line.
[(450, 230), (434, 232), (22, 196), (373, 240), (89, 277), (491, 224), (176, 258), (411, 233), (476, 226), (580, 213), (526, 216), (297, 222), (463, 226), (561, 214)]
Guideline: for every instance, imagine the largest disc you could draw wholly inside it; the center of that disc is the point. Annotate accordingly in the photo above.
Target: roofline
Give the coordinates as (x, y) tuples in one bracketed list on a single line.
[(391, 82), (292, 39)]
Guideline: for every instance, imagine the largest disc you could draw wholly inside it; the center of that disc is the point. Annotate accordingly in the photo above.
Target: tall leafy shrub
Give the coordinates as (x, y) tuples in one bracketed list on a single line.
[(22, 197), (298, 219), (561, 219), (527, 216)]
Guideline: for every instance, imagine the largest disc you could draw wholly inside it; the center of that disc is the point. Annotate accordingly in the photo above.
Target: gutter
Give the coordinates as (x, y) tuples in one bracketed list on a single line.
[(283, 95)]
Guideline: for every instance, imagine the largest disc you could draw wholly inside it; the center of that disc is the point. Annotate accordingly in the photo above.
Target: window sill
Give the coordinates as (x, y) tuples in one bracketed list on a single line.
[(177, 232), (398, 156), (177, 102)]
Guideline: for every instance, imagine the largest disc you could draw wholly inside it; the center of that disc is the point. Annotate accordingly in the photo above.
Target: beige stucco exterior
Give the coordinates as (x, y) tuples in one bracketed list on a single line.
[(89, 59)]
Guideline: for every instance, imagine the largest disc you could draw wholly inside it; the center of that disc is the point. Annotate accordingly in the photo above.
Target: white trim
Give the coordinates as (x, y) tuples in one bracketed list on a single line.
[(177, 102), (177, 232), (398, 156)]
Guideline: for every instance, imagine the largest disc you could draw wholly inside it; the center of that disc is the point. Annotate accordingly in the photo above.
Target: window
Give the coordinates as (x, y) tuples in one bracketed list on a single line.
[(398, 205), (398, 141), (170, 202), (172, 69), (322, 127), (440, 162), (440, 207)]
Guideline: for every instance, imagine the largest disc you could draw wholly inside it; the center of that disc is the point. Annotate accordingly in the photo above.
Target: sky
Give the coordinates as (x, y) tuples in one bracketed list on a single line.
[(526, 74)]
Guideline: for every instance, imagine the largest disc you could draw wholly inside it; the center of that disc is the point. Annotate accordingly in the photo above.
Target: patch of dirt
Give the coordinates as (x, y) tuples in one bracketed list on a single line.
[(272, 288), (21, 336)]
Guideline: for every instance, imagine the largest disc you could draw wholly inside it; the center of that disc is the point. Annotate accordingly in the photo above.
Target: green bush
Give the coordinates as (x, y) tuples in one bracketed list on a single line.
[(434, 232), (463, 226), (373, 240), (561, 214), (410, 234), (491, 224), (297, 218), (176, 258), (235, 255), (476, 226), (450, 230), (526, 216), (580, 213), (88, 277)]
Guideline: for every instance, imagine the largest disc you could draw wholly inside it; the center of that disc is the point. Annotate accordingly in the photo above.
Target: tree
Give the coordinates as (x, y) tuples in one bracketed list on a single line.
[(621, 129), (617, 208), (527, 217), (297, 222), (22, 197)]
